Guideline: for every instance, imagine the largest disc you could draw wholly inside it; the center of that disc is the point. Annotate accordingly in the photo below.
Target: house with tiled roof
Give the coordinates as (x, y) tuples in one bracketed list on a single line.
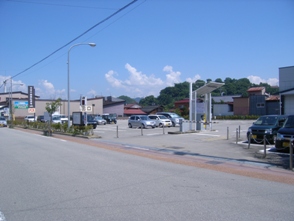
[(133, 109), (152, 109)]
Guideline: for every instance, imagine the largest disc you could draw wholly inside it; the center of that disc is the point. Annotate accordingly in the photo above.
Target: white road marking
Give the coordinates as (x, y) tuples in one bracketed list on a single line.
[(212, 135), (139, 148), (152, 134)]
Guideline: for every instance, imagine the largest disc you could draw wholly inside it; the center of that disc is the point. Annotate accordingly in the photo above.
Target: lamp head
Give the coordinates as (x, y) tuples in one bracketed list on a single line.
[(92, 44)]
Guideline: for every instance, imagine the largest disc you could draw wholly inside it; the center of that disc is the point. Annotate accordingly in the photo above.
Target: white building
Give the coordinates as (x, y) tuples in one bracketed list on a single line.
[(286, 79)]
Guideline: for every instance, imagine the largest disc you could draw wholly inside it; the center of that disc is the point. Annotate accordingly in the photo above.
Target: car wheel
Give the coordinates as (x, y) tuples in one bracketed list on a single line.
[(130, 125), (174, 124), (94, 127), (143, 126), (160, 125)]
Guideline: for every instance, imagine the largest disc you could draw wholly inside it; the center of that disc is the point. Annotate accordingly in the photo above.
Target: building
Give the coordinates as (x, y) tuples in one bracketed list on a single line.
[(133, 109), (19, 104), (286, 79), (223, 105), (113, 105)]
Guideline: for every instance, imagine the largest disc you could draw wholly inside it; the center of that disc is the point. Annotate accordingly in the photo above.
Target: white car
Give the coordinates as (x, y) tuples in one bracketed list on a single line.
[(161, 120), (30, 118), (3, 122), (59, 119)]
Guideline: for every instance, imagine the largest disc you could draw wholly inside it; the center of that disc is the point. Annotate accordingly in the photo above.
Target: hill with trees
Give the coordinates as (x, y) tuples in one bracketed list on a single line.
[(179, 91)]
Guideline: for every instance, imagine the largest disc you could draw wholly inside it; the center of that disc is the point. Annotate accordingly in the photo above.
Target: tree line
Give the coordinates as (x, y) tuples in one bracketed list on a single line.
[(179, 91)]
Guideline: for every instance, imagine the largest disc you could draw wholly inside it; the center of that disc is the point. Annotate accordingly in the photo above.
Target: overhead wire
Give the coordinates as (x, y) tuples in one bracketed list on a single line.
[(85, 32)]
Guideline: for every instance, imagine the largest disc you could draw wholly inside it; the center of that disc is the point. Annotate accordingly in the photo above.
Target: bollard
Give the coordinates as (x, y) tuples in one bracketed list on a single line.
[(236, 135), (264, 146), (249, 140), (227, 133), (141, 130), (239, 131), (291, 154), (163, 128), (116, 131)]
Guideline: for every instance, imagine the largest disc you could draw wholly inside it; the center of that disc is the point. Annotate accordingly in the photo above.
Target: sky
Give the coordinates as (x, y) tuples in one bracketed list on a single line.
[(142, 49)]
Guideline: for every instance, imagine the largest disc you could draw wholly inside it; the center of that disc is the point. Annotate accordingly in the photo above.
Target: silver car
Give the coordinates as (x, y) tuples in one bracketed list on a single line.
[(161, 120), (100, 120), (141, 121)]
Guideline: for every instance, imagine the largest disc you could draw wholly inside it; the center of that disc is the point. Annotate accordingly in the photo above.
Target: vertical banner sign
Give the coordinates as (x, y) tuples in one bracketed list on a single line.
[(31, 98)]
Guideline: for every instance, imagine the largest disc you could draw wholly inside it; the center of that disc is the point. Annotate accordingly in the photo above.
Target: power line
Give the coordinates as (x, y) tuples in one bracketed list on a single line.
[(99, 23), (63, 5)]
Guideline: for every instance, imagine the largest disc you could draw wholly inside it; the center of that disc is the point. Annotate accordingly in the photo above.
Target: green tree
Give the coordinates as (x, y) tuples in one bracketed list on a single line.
[(148, 101), (51, 108), (127, 99)]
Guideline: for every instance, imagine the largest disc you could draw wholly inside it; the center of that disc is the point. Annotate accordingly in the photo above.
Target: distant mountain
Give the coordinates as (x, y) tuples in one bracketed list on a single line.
[(137, 99)]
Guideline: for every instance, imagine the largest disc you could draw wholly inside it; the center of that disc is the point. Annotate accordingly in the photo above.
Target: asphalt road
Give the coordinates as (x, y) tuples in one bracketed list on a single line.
[(50, 178), (219, 141)]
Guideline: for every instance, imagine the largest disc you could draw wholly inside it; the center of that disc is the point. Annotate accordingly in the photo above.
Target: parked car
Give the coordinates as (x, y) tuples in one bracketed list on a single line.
[(175, 119), (110, 118), (30, 118), (91, 120), (266, 125), (141, 121), (60, 118), (99, 120), (3, 122), (285, 134), (160, 120), (41, 118)]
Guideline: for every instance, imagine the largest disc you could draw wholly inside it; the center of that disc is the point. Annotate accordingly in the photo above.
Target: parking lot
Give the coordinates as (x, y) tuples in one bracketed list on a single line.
[(220, 141)]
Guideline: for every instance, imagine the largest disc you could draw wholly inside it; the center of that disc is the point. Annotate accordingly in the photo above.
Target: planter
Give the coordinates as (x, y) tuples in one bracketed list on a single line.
[(47, 132)]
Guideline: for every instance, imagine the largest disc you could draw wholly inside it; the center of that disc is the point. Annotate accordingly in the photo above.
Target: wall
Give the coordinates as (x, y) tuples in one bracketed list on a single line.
[(286, 82), (241, 105), (222, 110), (116, 108)]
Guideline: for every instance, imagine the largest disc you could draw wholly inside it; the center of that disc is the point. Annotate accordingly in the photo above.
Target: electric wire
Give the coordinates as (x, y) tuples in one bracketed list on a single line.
[(85, 32)]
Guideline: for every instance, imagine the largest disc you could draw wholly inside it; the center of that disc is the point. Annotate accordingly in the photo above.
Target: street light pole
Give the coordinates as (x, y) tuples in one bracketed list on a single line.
[(68, 75)]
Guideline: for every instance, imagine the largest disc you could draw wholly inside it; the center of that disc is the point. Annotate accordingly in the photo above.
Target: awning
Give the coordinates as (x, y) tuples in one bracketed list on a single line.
[(208, 88)]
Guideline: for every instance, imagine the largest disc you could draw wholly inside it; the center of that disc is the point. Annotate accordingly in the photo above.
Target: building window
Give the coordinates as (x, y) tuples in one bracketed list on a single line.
[(260, 105)]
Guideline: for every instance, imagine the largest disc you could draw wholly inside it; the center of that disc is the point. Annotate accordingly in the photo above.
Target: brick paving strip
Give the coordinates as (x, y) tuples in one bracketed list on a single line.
[(259, 172)]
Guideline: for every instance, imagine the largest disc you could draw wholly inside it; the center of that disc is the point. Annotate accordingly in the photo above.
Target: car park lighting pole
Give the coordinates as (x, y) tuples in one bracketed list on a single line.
[(68, 88)]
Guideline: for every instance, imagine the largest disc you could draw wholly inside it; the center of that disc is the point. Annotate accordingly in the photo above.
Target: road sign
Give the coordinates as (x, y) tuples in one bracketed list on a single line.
[(87, 108), (31, 110)]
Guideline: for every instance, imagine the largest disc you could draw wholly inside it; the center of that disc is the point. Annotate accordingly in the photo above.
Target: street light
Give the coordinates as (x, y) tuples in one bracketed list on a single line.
[(68, 88)]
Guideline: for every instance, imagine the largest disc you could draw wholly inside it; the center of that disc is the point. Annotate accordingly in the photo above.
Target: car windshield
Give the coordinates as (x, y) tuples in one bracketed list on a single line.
[(145, 118), (98, 118), (2, 118), (266, 120), (162, 117), (174, 115), (56, 117), (289, 122)]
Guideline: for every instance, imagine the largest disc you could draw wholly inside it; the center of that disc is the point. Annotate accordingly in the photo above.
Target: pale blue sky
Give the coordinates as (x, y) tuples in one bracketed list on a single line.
[(148, 46)]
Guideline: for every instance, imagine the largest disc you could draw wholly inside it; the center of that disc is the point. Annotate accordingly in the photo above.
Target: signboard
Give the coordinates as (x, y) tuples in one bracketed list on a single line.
[(31, 96), (86, 108), (31, 110), (21, 104)]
